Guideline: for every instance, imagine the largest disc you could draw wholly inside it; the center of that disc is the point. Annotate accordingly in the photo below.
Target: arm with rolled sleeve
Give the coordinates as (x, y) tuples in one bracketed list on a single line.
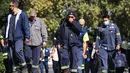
[(118, 36), (43, 31), (25, 23)]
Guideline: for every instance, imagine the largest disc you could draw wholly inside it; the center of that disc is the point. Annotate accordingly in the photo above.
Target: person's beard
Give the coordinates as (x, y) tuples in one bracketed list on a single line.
[(32, 19), (11, 10)]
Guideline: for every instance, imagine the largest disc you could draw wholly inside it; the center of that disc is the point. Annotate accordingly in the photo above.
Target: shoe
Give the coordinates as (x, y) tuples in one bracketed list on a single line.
[(24, 70), (17, 71)]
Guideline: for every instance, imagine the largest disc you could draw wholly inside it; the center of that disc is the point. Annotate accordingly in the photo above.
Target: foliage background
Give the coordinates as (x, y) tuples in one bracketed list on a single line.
[(51, 11)]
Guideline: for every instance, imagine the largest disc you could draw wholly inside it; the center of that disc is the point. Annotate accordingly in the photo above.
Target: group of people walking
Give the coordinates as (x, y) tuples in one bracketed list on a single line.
[(25, 41)]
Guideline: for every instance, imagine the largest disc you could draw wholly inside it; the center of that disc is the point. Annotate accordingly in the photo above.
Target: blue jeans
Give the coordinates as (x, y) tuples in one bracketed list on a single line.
[(42, 65)]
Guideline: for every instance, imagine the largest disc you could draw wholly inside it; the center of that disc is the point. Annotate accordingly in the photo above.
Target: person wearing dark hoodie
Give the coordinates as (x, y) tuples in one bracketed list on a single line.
[(120, 61)]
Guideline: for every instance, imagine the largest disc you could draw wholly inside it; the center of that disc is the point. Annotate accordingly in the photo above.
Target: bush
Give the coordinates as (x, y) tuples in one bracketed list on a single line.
[(2, 67)]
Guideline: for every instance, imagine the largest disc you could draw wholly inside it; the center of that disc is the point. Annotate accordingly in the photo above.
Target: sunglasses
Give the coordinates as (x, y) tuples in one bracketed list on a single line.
[(11, 5), (71, 17)]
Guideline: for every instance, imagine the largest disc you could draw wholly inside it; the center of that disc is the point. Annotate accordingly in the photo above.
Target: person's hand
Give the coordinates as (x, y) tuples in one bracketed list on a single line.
[(118, 47), (27, 40), (44, 44), (3, 44), (84, 55), (59, 46), (97, 52), (84, 52), (92, 57)]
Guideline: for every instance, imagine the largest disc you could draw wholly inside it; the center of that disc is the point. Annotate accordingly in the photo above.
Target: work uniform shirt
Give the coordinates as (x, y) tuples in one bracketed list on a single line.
[(74, 32), (108, 37), (38, 32)]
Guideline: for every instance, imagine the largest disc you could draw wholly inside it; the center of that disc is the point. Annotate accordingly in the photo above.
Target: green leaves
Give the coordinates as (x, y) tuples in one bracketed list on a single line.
[(4, 10), (51, 11), (2, 67)]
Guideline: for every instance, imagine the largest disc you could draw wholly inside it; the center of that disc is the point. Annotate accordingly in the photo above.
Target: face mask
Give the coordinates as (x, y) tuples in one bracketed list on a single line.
[(106, 23)]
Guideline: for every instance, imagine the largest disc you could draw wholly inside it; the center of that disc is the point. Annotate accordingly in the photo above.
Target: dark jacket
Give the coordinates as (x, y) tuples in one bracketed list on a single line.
[(120, 60), (69, 33), (74, 39), (45, 53), (108, 37), (21, 26)]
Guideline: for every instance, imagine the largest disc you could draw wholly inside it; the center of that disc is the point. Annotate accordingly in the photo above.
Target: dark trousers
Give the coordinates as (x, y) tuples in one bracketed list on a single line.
[(107, 62), (56, 67), (120, 69), (74, 59), (33, 53), (7, 65), (64, 58), (91, 66), (99, 70), (44, 64), (15, 54), (6, 61), (128, 59)]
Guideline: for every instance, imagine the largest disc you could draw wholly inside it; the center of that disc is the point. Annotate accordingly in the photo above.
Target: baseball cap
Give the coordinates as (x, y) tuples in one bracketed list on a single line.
[(72, 13), (33, 12)]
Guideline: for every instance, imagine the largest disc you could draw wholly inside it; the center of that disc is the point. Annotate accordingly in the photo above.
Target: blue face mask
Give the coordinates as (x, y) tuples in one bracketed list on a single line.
[(106, 23)]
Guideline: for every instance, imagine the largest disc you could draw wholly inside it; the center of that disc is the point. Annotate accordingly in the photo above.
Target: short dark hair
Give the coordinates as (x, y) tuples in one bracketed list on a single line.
[(106, 16), (15, 2)]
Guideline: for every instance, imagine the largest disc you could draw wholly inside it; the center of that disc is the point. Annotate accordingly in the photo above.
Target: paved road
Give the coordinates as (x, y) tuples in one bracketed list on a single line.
[(51, 71)]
